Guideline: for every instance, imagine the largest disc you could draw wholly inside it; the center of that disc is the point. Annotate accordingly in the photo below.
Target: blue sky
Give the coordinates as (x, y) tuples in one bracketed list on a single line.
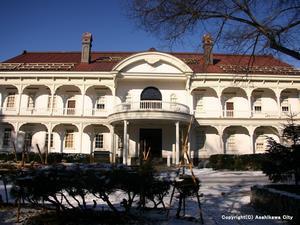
[(57, 25)]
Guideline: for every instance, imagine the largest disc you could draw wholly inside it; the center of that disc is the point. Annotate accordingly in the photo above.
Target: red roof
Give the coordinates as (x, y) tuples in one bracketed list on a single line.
[(105, 61)]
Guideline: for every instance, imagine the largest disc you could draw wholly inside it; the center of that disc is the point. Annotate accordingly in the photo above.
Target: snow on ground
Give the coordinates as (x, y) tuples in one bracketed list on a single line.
[(225, 194)]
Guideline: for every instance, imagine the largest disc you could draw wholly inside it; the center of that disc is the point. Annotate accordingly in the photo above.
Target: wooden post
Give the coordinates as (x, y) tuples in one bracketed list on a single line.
[(15, 151), (18, 209), (40, 154)]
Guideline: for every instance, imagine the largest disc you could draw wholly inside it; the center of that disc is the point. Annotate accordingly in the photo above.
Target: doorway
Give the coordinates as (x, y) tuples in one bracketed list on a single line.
[(71, 107), (229, 109), (151, 139)]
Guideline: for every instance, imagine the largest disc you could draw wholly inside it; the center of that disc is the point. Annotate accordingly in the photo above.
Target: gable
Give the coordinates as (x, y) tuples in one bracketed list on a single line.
[(149, 67)]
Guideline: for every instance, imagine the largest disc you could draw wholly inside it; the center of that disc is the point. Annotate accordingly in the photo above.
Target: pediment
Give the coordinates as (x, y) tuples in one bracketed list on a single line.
[(152, 62), (153, 66)]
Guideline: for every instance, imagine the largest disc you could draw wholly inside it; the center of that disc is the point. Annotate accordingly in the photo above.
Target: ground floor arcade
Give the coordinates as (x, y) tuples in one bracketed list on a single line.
[(129, 140)]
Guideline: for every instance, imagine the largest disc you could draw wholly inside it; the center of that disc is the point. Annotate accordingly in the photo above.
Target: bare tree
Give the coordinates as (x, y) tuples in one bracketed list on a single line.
[(246, 25)]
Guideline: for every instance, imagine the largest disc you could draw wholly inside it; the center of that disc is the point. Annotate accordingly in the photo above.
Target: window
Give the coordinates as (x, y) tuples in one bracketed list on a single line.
[(257, 104), (229, 109), (151, 93), (285, 105), (28, 140), (99, 141), (260, 144), (10, 100), (51, 140), (100, 104), (199, 103), (69, 139), (173, 98), (31, 101), (231, 142), (6, 137)]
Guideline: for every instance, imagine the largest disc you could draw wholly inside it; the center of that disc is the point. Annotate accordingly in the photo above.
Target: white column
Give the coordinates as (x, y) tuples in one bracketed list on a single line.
[(251, 134), (80, 136), (220, 105), (82, 101), (20, 99), (51, 103), (125, 144), (220, 131), (249, 105), (112, 145), (278, 104), (177, 143), (49, 137)]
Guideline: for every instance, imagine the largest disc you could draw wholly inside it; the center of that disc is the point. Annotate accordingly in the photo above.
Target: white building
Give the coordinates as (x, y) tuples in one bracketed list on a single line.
[(118, 102)]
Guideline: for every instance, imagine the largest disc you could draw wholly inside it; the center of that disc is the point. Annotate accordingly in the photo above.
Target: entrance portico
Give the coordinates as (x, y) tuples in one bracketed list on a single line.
[(162, 137)]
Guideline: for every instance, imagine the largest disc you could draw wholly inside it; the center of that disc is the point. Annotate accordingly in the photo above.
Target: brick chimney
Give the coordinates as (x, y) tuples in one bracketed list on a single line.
[(207, 47), (86, 47)]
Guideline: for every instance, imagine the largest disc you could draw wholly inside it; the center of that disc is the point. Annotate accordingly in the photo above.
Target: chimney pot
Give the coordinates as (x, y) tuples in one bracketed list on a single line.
[(86, 47), (207, 47)]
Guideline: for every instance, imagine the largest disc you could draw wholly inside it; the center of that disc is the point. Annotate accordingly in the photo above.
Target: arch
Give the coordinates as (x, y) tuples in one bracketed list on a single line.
[(151, 93), (29, 126), (263, 89), (11, 86), (244, 94), (37, 86), (152, 58), (103, 88), (236, 140), (6, 124), (274, 130), (236, 127), (58, 88), (62, 125), (260, 135), (205, 89), (94, 127)]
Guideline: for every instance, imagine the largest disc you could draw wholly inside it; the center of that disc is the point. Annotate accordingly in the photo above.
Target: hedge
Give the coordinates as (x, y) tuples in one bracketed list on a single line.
[(237, 162), (52, 157)]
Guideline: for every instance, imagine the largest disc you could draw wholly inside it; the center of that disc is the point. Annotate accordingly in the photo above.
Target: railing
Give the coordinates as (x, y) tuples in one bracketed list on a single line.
[(152, 106), (66, 112), (35, 111), (236, 114), (147, 106), (8, 111), (265, 114), (95, 112)]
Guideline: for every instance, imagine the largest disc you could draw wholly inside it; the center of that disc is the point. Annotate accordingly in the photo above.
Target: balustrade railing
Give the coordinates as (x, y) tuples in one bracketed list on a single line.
[(146, 106), (152, 106)]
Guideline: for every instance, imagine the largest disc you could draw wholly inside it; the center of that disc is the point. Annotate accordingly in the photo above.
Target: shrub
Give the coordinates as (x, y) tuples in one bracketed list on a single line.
[(52, 184), (237, 162)]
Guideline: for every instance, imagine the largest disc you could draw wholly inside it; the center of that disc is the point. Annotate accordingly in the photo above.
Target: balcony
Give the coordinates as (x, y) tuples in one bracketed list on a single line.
[(152, 106), (149, 110)]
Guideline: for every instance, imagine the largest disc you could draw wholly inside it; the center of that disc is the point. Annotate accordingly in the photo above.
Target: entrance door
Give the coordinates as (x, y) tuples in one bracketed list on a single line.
[(229, 109), (151, 139), (71, 107)]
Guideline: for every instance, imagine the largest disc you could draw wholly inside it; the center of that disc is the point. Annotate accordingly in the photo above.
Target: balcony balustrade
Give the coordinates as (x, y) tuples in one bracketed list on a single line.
[(152, 106), (145, 106)]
